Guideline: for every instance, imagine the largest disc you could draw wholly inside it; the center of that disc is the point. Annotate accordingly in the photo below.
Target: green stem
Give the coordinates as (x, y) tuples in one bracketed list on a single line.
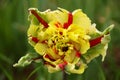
[(65, 75)]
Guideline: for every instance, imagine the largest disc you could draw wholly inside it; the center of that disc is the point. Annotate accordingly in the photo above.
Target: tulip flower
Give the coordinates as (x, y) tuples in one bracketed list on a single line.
[(67, 41)]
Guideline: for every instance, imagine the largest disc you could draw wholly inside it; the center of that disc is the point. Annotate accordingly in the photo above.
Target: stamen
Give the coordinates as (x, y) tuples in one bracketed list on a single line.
[(70, 20), (39, 18), (55, 50), (58, 25)]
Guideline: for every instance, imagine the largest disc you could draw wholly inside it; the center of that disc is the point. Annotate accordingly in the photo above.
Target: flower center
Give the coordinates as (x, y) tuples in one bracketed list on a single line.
[(60, 42), (64, 49)]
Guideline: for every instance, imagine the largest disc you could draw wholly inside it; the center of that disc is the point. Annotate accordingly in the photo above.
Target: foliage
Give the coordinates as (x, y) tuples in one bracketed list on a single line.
[(13, 40)]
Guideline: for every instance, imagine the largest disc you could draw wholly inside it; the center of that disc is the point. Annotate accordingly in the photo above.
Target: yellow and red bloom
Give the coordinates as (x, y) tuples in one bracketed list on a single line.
[(67, 41)]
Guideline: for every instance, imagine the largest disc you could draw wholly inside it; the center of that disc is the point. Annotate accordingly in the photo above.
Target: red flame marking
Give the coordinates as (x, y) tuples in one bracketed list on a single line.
[(39, 18), (70, 20)]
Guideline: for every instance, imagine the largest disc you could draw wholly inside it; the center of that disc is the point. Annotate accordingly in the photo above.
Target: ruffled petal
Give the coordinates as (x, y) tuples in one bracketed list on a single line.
[(70, 68), (32, 31), (61, 15), (40, 48), (99, 48), (52, 69), (81, 19)]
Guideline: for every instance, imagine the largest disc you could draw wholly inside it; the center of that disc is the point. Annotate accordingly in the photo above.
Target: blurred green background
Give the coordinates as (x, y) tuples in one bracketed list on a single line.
[(13, 38)]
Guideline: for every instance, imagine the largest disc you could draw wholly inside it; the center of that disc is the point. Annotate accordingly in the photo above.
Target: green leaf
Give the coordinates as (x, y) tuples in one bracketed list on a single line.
[(26, 60), (6, 72), (94, 71), (33, 72), (3, 57)]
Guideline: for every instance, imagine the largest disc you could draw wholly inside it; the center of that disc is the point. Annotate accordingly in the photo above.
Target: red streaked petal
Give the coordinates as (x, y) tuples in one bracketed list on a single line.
[(96, 41), (47, 63), (35, 39), (78, 54), (49, 57), (62, 65), (70, 20), (39, 18)]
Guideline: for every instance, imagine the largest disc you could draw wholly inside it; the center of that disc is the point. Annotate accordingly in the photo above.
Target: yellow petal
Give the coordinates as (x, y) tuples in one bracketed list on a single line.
[(53, 69), (80, 70), (40, 48), (52, 61), (61, 15), (77, 29), (84, 45), (52, 53), (32, 30), (81, 19), (69, 57), (71, 68), (51, 29)]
